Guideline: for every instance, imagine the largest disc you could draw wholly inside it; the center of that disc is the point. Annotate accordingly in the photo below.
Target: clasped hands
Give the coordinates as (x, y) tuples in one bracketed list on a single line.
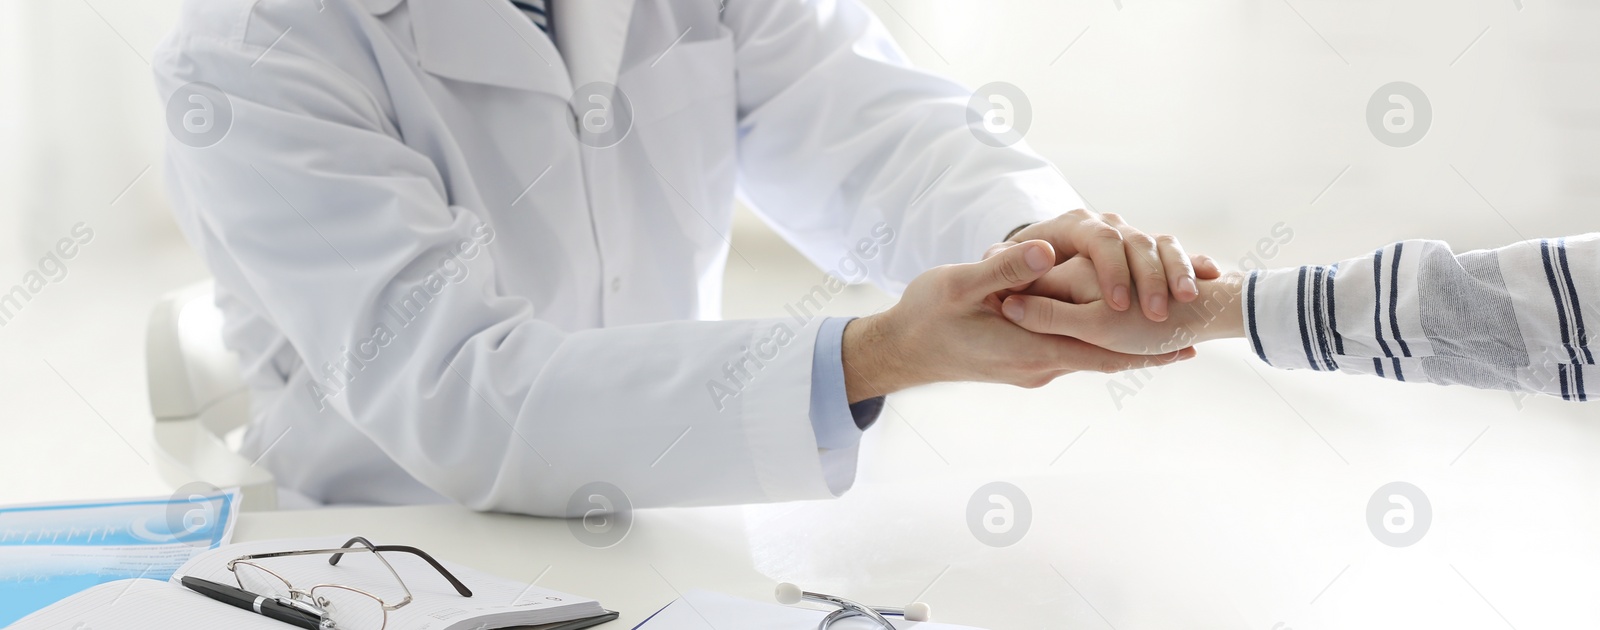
[(1080, 292)]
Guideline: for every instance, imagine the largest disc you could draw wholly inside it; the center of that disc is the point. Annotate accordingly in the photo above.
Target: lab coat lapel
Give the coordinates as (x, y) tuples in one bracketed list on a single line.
[(592, 35), (487, 41)]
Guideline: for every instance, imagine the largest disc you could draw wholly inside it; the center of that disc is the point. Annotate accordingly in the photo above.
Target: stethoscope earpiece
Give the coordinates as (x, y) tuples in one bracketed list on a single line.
[(788, 594), (918, 611)]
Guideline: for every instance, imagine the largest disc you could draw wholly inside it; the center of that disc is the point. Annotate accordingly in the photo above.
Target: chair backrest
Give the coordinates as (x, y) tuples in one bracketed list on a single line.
[(198, 398)]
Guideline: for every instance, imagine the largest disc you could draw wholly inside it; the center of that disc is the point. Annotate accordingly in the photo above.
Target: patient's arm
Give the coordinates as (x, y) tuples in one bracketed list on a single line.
[(1068, 301), (1517, 318)]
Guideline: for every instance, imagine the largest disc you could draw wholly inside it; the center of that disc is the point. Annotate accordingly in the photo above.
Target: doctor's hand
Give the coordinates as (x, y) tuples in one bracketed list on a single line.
[(1123, 257), (948, 326), (1068, 301)]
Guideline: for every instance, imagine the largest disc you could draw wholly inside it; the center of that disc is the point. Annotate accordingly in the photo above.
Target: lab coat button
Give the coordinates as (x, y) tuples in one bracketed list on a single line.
[(616, 284)]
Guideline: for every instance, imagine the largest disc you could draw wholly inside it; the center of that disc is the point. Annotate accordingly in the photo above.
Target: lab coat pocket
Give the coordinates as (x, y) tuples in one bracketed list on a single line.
[(685, 104)]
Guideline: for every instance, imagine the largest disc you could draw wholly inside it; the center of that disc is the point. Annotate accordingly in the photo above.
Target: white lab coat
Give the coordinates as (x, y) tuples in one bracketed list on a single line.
[(439, 293)]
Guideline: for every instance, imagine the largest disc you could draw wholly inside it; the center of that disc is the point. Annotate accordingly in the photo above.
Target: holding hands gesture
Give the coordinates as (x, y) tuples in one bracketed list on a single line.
[(1079, 312), (1079, 292), (1181, 300), (1155, 265)]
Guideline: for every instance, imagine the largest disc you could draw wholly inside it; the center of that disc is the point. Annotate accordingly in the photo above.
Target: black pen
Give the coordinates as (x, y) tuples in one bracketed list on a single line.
[(260, 604)]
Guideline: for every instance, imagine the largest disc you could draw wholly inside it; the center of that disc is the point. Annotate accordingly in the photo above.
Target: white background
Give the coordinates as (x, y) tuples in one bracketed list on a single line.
[(1208, 497)]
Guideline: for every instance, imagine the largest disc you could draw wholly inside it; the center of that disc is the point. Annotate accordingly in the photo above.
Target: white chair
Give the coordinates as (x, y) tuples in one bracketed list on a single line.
[(198, 398)]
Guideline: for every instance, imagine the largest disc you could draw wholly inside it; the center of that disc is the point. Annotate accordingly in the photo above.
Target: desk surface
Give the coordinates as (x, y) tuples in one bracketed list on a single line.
[(1216, 493), (1247, 514)]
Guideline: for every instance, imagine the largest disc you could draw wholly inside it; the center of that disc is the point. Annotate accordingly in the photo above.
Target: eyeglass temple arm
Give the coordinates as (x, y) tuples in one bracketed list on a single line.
[(460, 588)]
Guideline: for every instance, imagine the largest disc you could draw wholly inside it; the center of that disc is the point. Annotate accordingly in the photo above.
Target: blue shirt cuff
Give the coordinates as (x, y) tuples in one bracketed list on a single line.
[(837, 423)]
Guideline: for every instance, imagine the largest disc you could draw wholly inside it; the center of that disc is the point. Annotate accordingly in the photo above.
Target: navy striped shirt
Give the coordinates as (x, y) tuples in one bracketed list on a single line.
[(1520, 318)]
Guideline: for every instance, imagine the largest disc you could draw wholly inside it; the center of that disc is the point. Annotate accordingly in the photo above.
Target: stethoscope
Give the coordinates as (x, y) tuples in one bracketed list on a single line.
[(789, 595)]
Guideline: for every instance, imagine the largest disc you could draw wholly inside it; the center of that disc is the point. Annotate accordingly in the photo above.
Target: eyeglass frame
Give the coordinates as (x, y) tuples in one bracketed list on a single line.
[(367, 546)]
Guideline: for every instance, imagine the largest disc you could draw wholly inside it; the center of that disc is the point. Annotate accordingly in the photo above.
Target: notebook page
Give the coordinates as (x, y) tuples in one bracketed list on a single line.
[(142, 604), (435, 604)]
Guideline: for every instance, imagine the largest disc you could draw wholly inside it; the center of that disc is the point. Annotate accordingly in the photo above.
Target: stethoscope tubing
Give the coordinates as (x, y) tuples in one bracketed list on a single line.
[(844, 613), (848, 609)]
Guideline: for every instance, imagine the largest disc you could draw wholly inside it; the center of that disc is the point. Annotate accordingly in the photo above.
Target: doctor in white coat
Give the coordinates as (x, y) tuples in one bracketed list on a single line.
[(471, 250)]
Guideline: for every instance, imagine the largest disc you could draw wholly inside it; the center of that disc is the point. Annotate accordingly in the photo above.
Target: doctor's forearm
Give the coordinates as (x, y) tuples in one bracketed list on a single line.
[(872, 365)]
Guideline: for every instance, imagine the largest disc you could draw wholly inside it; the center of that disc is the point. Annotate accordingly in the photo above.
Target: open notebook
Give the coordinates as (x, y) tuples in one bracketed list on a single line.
[(139, 604)]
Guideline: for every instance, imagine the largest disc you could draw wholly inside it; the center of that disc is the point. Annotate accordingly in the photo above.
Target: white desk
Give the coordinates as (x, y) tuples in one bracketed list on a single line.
[(1165, 514)]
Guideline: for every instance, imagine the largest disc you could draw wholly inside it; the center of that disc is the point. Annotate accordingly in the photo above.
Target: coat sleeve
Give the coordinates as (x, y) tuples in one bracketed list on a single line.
[(839, 135), (343, 237), (1518, 318)]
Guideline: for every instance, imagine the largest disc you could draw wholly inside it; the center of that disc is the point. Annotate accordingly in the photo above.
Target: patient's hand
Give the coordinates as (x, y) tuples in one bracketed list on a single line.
[(1068, 301)]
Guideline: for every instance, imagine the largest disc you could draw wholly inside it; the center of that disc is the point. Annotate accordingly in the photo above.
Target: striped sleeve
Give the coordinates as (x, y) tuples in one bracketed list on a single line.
[(1517, 318)]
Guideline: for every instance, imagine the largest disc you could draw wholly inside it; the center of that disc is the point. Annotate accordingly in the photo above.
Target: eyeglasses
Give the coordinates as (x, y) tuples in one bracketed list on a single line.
[(341, 606)]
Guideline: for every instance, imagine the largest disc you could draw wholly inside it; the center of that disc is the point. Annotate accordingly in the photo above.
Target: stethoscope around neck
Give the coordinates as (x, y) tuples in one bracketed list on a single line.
[(789, 595)]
